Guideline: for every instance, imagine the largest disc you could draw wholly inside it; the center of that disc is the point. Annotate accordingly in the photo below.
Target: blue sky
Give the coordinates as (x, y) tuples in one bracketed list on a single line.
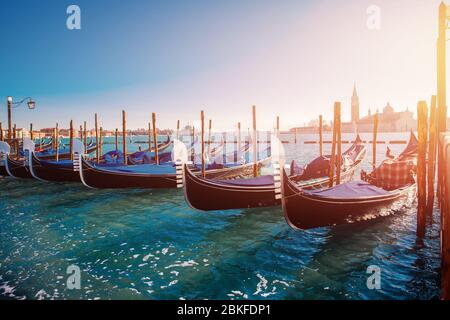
[(291, 58)]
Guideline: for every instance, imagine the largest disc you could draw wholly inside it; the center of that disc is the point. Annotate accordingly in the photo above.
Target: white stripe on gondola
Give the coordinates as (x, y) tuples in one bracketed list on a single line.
[(80, 164), (32, 168), (7, 167)]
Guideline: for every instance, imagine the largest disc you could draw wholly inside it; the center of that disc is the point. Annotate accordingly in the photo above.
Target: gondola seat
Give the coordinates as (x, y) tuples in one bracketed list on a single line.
[(353, 189)]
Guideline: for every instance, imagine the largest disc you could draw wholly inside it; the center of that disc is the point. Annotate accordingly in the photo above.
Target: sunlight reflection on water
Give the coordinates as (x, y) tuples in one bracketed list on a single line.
[(141, 244)]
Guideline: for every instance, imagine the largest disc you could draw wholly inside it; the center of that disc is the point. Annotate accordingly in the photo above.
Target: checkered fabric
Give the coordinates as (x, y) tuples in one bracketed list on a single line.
[(391, 175)]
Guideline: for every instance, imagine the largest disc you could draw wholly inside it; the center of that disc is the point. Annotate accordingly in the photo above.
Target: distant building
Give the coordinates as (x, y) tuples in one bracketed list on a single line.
[(355, 105), (388, 120)]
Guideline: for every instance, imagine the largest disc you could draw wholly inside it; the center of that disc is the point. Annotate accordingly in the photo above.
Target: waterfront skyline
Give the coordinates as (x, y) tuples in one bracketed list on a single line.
[(221, 57)]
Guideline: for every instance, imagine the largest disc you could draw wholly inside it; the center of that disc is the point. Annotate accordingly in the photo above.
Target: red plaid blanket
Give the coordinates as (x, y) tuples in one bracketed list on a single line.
[(391, 175)]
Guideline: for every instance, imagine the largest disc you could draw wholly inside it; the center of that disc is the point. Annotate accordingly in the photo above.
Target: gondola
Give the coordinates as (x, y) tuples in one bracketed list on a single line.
[(18, 168), (63, 154), (43, 145), (154, 176), (148, 156), (62, 170), (4, 151), (212, 194), (374, 196), (52, 170)]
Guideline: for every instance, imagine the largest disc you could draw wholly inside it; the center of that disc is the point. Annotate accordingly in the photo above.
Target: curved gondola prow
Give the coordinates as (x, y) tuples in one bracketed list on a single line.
[(8, 169), (30, 146), (32, 158), (78, 164), (186, 177), (78, 159), (288, 190), (285, 185), (411, 149), (5, 149)]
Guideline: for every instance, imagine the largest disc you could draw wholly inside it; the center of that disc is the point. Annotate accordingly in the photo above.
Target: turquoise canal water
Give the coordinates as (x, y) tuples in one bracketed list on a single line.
[(149, 244)]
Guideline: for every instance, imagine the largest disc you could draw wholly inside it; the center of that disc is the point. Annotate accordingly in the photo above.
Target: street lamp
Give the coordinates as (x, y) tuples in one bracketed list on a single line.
[(30, 103)]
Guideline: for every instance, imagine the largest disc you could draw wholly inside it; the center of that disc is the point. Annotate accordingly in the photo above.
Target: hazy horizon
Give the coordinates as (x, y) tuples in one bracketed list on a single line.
[(291, 59)]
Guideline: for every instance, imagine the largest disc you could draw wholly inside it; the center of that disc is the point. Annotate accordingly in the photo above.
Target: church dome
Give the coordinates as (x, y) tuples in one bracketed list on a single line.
[(388, 108)]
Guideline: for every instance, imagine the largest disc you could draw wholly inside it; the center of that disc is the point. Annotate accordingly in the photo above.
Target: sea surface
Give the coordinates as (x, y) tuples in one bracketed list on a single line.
[(149, 244)]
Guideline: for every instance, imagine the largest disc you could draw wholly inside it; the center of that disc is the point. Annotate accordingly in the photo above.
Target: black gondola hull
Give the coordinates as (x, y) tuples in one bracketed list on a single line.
[(110, 179), (18, 169), (53, 172), (207, 195), (3, 171), (303, 211), (104, 179)]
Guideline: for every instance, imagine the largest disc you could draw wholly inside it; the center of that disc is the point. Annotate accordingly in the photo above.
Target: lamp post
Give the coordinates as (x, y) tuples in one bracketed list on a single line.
[(11, 104)]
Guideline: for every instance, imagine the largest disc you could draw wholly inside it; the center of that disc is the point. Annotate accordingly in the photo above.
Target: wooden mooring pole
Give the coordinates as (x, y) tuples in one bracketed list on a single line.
[(209, 135), (422, 128), (178, 129), (31, 132), (339, 144), (202, 117), (96, 139), (124, 137), (321, 135), (442, 92), (374, 141), (71, 140), (432, 147), (155, 138), (278, 126), (255, 144), (1, 132), (116, 136), (100, 147), (224, 150), (15, 141), (333, 148), (193, 145), (85, 136), (239, 136), (57, 141), (149, 137)]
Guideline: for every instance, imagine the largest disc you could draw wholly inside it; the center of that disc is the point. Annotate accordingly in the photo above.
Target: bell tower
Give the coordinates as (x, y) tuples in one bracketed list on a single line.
[(355, 105)]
